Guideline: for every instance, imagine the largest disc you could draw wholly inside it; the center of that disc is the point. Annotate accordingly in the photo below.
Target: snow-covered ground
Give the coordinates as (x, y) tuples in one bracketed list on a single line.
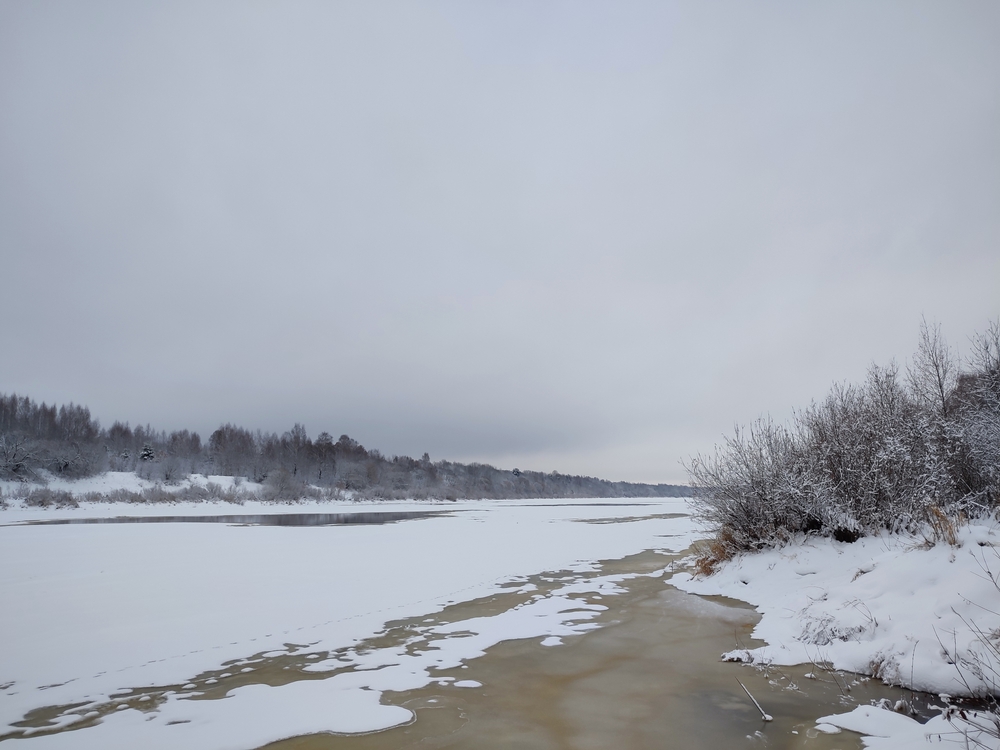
[(110, 481), (899, 608), (90, 611)]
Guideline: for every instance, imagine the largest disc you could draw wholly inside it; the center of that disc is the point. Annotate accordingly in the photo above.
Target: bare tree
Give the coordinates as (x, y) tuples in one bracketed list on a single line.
[(933, 372), (17, 457), (295, 444)]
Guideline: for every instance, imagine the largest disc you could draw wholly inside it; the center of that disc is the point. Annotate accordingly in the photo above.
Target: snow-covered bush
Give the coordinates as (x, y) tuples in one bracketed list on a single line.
[(754, 489), (892, 453), (43, 497), (282, 486)]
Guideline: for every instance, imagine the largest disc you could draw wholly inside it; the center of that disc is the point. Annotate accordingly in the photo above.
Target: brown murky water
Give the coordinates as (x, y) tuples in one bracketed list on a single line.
[(650, 678)]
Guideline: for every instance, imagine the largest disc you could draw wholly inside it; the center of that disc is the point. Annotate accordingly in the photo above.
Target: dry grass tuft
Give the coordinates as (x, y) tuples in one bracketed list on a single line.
[(943, 527), (715, 552)]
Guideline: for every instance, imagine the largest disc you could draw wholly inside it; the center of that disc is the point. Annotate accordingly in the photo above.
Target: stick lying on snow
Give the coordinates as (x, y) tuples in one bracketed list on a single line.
[(764, 716)]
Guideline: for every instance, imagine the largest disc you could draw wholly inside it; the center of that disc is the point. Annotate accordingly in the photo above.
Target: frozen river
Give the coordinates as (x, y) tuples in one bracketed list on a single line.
[(470, 624)]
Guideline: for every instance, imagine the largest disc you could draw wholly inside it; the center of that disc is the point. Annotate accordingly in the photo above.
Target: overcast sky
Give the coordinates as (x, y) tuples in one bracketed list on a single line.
[(582, 236)]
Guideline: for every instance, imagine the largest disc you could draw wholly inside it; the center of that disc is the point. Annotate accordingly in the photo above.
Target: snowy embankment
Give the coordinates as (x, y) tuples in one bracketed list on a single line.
[(93, 612), (90, 491), (921, 615)]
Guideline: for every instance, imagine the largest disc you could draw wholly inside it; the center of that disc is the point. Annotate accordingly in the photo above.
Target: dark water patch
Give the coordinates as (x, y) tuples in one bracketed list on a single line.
[(263, 519), (632, 519), (585, 505)]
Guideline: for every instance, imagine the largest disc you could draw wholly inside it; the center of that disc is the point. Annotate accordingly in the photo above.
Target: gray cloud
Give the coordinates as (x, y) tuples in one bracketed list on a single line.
[(578, 236)]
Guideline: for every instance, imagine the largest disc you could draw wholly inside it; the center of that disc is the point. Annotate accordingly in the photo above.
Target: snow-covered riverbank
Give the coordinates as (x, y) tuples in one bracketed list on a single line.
[(921, 615)]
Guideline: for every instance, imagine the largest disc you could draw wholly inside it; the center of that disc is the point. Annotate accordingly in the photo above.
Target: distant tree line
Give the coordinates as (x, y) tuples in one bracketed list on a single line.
[(899, 453), (38, 440)]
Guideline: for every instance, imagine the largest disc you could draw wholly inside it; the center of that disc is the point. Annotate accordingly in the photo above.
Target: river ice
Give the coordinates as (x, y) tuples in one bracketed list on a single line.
[(91, 610)]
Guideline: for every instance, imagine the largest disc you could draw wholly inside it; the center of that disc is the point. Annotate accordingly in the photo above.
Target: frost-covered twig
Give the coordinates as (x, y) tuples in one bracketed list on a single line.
[(763, 714)]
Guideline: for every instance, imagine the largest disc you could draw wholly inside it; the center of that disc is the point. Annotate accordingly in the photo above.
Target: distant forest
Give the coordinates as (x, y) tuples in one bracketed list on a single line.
[(38, 440)]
